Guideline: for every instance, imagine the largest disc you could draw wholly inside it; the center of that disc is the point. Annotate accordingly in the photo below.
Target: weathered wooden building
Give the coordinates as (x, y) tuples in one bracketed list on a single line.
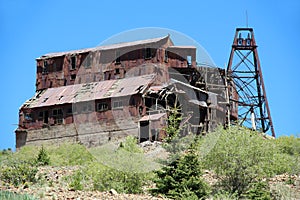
[(98, 94)]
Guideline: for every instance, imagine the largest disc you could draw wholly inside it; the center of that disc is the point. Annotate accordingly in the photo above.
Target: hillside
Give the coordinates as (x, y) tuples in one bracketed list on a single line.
[(227, 164)]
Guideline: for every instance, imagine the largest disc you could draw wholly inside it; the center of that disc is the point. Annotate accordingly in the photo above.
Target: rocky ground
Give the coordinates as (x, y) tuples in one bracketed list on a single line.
[(53, 185)]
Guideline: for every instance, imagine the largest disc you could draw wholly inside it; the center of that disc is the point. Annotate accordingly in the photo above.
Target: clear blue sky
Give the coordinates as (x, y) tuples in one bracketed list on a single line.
[(29, 29)]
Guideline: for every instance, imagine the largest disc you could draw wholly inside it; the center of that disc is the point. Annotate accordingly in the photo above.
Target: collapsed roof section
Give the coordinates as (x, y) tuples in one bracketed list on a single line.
[(90, 91)]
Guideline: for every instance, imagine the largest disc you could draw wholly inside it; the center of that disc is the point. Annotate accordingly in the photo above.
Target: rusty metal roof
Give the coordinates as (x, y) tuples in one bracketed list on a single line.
[(90, 91), (106, 47)]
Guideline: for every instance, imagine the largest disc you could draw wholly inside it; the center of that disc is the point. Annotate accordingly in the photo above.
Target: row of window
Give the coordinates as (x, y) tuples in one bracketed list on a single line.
[(58, 113), (88, 60), (148, 54)]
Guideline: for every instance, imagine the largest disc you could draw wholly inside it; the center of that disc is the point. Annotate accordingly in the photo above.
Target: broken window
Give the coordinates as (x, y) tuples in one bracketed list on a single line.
[(147, 53), (43, 116), (189, 60), (73, 63), (132, 101), (102, 106), (28, 117), (166, 58), (73, 76), (70, 111), (57, 115), (118, 104), (118, 57), (45, 67), (88, 61)]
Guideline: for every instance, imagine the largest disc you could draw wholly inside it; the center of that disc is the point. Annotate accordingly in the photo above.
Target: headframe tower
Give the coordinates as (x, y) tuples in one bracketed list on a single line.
[(244, 75)]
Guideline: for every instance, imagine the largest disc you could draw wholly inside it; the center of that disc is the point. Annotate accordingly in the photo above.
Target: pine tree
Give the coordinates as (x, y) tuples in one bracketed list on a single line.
[(181, 178)]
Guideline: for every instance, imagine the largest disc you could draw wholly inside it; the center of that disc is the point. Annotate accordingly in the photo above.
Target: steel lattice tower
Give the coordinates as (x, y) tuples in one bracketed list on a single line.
[(245, 80)]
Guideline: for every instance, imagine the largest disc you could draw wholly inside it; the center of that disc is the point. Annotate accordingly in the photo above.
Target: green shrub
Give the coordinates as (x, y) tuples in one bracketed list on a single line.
[(258, 191), (69, 154), (223, 195), (288, 158), (123, 168), (6, 195), (181, 179), (18, 172), (289, 145), (121, 181), (174, 119), (27, 152), (77, 181), (130, 145), (240, 157), (43, 157)]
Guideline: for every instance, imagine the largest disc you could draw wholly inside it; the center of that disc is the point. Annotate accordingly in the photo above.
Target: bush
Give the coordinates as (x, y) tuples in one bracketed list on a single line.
[(123, 168), (174, 119), (241, 157), (121, 181), (77, 181), (258, 191), (43, 157), (181, 178), (289, 145), (130, 145), (69, 154), (18, 172)]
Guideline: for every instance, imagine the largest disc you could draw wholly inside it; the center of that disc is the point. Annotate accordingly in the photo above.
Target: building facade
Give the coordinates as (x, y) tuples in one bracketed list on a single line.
[(104, 93)]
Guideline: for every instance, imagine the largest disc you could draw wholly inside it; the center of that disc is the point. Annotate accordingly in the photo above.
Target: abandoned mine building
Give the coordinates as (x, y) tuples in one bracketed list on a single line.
[(104, 93)]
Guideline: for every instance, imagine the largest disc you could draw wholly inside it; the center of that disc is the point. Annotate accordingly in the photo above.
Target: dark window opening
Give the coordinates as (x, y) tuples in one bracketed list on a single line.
[(117, 71), (28, 116), (43, 116), (88, 61), (65, 82), (45, 67), (73, 76), (107, 76), (102, 106), (70, 111), (166, 58), (46, 116), (50, 86), (132, 101), (54, 67), (73, 62), (147, 53), (57, 115), (189, 60), (118, 57)]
